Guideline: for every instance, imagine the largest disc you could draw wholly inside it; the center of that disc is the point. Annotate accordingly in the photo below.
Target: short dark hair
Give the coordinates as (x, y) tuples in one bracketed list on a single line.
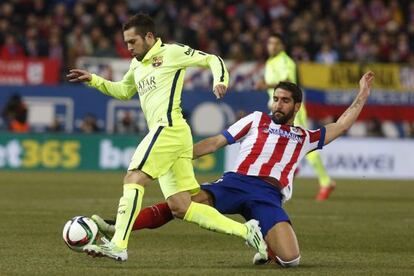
[(280, 37), (142, 23), (292, 88)]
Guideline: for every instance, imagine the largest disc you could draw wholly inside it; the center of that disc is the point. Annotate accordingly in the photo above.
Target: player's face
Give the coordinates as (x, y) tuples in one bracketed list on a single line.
[(137, 46), (274, 46), (283, 107)]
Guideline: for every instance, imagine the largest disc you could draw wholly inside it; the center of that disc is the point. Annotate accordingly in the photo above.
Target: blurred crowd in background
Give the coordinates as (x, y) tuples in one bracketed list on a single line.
[(324, 31)]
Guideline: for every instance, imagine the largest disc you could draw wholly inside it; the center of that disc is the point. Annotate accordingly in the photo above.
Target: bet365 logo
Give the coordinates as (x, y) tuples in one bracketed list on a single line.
[(30, 154)]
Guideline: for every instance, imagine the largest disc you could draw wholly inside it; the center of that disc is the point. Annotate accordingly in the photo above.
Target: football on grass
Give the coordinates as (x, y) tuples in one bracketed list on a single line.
[(78, 232)]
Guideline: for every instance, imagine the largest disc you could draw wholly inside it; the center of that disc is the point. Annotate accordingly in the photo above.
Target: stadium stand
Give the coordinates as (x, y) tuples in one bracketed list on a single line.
[(321, 31)]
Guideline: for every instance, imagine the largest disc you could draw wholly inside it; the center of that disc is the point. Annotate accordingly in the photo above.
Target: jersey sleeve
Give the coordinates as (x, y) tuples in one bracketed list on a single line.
[(184, 56), (122, 90), (316, 139), (239, 129)]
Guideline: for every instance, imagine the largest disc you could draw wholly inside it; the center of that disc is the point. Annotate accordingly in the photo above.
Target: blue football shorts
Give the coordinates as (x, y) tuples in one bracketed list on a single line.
[(248, 196)]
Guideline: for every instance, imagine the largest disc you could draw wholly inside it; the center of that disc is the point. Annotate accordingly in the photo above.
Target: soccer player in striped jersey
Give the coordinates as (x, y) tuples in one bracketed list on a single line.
[(271, 147), (281, 67), (156, 73)]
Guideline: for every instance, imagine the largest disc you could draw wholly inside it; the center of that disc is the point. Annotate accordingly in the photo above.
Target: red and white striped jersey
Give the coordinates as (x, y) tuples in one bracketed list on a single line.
[(271, 150)]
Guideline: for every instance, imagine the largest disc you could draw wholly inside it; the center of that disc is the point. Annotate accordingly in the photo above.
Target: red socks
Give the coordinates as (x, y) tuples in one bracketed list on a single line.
[(153, 217)]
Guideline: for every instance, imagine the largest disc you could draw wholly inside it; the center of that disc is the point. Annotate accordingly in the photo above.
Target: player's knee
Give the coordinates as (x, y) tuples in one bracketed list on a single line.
[(137, 177), (130, 177), (178, 210), (179, 204), (288, 262)]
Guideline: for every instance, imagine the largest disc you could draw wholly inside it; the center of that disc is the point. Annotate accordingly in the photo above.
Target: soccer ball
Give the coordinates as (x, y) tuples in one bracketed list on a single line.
[(78, 232)]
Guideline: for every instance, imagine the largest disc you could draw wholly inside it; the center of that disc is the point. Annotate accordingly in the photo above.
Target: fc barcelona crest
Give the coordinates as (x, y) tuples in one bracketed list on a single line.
[(157, 61)]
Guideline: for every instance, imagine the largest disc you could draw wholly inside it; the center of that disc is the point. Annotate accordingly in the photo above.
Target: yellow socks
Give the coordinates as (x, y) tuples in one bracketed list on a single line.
[(315, 161), (128, 209), (209, 218)]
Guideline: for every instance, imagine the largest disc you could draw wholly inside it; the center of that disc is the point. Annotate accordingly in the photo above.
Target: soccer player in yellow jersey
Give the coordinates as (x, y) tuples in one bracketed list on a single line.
[(156, 73), (280, 67)]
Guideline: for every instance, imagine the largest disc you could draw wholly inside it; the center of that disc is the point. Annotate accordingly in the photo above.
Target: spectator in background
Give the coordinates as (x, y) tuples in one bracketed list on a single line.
[(120, 48), (83, 18), (149, 6), (407, 73), (401, 52), (33, 46), (358, 30), (11, 48), (384, 47), (79, 44), (374, 128), (56, 126), (105, 48), (326, 54), (4, 28), (365, 49), (55, 49), (126, 124), (345, 48), (89, 124), (121, 11), (15, 114), (7, 11), (96, 35), (60, 14), (303, 40), (299, 53), (110, 25), (409, 129)]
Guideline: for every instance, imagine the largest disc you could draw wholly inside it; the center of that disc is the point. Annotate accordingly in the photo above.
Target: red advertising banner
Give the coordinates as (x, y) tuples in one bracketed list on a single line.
[(29, 72), (395, 113)]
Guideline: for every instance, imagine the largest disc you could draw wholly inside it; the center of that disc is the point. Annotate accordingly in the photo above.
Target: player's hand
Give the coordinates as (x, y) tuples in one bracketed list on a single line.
[(260, 85), (78, 75), (366, 82), (220, 90)]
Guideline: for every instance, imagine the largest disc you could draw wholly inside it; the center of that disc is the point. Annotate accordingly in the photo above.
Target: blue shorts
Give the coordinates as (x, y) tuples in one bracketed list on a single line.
[(248, 196)]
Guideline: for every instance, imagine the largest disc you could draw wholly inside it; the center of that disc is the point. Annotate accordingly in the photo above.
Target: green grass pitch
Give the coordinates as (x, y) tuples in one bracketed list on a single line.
[(367, 227)]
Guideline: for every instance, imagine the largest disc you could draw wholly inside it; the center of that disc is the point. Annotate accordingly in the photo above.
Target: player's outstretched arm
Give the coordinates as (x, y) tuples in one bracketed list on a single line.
[(209, 145), (122, 90), (346, 120)]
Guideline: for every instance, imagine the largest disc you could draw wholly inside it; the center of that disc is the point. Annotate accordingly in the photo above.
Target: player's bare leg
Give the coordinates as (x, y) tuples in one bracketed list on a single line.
[(203, 197), (179, 204), (283, 245)]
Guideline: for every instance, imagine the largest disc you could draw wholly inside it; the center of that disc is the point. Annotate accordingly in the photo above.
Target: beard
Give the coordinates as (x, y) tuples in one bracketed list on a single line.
[(283, 118), (139, 57)]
